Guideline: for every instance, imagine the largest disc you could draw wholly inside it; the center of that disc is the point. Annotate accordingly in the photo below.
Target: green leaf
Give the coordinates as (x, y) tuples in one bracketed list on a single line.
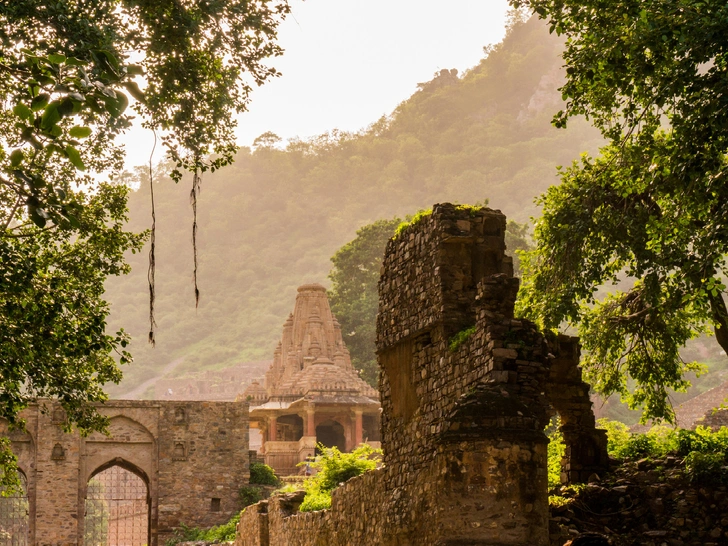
[(57, 58), (117, 104), (80, 132), (134, 70), (36, 217), (51, 116), (22, 111), (40, 102), (75, 157), (16, 158), (73, 61)]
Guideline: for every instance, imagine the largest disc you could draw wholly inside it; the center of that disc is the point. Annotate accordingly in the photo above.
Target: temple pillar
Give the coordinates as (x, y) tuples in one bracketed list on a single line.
[(310, 423), (358, 428), (272, 429)]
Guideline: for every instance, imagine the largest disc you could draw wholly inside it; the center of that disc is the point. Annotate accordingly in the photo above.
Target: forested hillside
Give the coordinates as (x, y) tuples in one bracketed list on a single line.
[(272, 220)]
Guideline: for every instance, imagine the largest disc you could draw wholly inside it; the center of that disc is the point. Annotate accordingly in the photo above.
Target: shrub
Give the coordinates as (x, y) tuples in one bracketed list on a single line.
[(262, 474), (219, 533), (621, 444), (702, 440), (706, 467), (249, 495), (334, 468), (617, 435), (316, 499)]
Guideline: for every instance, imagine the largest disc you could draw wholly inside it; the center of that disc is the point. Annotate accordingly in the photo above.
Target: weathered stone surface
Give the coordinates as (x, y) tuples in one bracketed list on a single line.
[(187, 453), (650, 502), (462, 427)]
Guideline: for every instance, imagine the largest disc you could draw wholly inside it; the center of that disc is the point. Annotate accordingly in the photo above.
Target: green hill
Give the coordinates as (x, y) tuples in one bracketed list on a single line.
[(272, 220)]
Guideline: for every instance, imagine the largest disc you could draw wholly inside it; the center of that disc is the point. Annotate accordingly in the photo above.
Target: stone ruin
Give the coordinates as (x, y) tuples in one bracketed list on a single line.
[(162, 464), (466, 390)]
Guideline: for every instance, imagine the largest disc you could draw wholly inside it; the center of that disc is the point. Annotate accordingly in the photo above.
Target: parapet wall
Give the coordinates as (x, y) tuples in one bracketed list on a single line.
[(465, 393)]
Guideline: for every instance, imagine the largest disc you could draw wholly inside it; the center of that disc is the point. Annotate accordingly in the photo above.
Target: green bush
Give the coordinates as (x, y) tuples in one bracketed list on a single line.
[(617, 435), (262, 474), (622, 444), (249, 495), (219, 533), (706, 467), (316, 499), (334, 468), (702, 440)]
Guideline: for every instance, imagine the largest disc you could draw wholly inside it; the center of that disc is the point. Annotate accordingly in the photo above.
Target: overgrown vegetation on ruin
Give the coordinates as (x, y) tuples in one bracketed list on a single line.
[(219, 533), (334, 468), (704, 451)]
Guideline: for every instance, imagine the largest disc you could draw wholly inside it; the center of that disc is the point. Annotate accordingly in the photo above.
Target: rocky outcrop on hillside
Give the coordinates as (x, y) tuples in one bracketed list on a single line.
[(650, 502)]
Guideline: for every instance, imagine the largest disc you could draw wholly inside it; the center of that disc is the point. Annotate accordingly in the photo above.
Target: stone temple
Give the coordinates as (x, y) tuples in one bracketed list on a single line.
[(312, 393)]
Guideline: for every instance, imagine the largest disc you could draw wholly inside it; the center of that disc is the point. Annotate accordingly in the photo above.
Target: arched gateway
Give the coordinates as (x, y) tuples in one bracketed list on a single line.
[(14, 516), (163, 464), (117, 507)]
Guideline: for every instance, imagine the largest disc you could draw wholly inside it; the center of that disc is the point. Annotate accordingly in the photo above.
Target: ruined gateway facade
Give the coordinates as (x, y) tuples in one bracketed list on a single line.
[(312, 393), (462, 425), (190, 459)]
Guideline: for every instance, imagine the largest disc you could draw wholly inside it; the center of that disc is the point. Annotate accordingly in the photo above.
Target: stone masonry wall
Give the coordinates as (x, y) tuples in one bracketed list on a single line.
[(188, 453), (464, 389)]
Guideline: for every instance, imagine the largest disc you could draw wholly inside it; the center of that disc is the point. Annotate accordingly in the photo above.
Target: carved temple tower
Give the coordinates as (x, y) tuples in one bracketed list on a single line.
[(312, 393)]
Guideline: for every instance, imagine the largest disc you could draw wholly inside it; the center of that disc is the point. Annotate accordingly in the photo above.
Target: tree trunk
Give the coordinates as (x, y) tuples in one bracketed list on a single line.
[(720, 319)]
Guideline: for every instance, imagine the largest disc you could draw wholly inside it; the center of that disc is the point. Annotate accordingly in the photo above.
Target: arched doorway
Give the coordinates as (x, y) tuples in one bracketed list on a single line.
[(117, 508), (14, 516), (331, 434)]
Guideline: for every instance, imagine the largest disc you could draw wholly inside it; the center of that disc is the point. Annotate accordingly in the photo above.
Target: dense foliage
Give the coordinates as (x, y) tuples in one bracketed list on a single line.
[(354, 296), (262, 474), (334, 468), (67, 79), (652, 206), (272, 220)]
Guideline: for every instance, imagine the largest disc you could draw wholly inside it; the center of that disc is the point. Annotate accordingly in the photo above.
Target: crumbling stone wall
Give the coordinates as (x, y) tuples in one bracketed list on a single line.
[(465, 392), (188, 453)]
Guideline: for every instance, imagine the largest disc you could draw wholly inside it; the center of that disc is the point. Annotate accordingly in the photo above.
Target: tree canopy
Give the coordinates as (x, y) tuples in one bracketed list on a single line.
[(69, 69), (354, 292), (651, 212)]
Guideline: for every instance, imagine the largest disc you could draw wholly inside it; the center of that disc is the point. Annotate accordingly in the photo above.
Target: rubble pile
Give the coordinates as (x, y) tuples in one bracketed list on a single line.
[(649, 502)]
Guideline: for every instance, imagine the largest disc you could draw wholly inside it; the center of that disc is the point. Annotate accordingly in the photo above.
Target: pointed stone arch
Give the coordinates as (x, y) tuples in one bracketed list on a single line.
[(117, 505)]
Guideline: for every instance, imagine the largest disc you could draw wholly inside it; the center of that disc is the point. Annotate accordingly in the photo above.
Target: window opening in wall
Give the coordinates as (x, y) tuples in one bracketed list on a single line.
[(14, 516), (215, 505), (117, 509)]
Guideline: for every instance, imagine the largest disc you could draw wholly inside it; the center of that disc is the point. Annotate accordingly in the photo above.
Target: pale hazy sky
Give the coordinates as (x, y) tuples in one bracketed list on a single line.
[(348, 62)]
